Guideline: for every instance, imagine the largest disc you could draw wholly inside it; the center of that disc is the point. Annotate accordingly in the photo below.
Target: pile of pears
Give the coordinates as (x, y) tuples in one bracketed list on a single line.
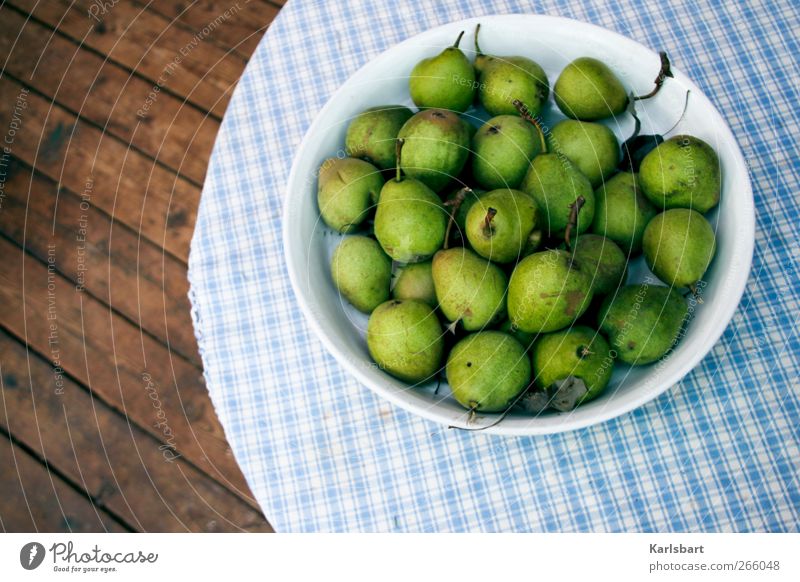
[(496, 255)]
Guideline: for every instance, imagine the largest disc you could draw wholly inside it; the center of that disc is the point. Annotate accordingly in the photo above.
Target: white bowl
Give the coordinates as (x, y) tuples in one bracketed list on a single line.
[(552, 42)]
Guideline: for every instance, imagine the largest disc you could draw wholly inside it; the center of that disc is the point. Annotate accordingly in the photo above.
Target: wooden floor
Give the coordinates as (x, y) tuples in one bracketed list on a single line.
[(108, 113)]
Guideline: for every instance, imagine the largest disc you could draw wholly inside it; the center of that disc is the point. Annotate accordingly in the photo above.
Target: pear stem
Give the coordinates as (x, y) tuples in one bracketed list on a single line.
[(683, 113), (478, 50), (454, 203), (525, 113), (637, 123), (695, 293), (575, 208), (664, 72), (499, 419), (458, 40), (487, 222), (398, 147)]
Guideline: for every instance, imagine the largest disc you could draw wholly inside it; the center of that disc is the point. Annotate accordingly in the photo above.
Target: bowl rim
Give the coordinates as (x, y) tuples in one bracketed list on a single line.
[(745, 246)]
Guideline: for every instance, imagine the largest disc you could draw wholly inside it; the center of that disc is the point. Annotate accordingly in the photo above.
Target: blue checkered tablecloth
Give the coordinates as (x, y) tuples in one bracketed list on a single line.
[(718, 452)]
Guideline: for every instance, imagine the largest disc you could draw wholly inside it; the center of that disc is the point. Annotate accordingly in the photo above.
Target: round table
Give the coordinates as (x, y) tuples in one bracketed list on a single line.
[(718, 452)]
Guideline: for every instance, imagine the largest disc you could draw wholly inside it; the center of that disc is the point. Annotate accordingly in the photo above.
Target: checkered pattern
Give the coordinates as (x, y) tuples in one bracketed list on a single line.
[(718, 452)]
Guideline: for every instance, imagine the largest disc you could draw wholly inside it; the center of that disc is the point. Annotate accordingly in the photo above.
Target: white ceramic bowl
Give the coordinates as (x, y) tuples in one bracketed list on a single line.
[(552, 42)]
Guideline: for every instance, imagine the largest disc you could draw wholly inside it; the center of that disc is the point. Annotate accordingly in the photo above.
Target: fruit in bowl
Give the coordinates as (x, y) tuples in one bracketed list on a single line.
[(548, 290), (546, 253)]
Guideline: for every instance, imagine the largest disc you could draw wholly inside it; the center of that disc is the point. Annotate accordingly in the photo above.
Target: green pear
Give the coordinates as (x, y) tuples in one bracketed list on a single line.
[(469, 289), (642, 322), (436, 147), (556, 184), (372, 134), (415, 282), (576, 355), (678, 246), (410, 222), (347, 189), (588, 90), (622, 212), (503, 148), (487, 371), (405, 339), (446, 81), (547, 292), (602, 260), (361, 272), (682, 172), (500, 223), (592, 147), (504, 80)]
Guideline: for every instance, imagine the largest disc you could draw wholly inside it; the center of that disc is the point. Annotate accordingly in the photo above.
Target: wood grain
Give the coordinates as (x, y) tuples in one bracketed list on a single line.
[(112, 357), (125, 471), (105, 421), (36, 500), (148, 44), (179, 136), (240, 32), (109, 262), (125, 184)]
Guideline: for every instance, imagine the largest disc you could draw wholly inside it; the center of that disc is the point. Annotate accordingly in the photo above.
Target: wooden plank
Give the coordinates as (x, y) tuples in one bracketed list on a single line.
[(108, 354), (134, 276), (179, 136), (118, 465), (146, 43), (122, 182), (240, 32), (35, 500)]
